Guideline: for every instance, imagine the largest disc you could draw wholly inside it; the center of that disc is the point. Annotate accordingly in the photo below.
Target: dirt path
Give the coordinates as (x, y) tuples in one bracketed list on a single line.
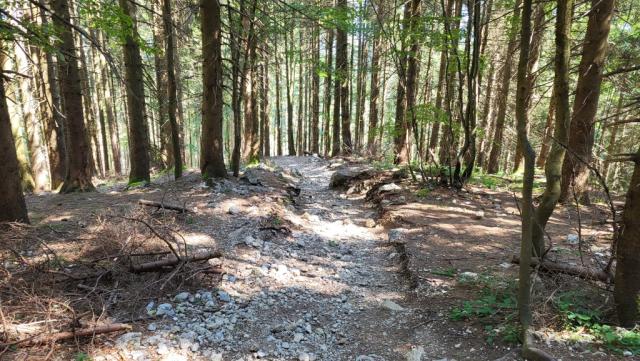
[(331, 290)]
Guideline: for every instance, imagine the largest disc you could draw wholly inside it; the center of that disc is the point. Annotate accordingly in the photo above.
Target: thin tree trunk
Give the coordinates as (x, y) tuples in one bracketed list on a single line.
[(78, 163), (265, 131)]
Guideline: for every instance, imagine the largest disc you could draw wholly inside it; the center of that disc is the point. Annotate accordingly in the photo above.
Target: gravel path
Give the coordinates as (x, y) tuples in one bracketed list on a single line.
[(329, 291)]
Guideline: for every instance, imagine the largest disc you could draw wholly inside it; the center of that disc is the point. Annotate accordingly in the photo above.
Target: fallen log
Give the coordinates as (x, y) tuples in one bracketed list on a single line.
[(173, 261), (572, 270), (65, 335), (159, 205)]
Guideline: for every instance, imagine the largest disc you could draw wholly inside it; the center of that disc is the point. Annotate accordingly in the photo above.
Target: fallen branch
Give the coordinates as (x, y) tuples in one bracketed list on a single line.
[(565, 268), (173, 261), (65, 335), (159, 205)]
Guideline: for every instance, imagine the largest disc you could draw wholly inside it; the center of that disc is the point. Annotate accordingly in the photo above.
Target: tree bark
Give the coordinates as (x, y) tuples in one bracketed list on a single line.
[(372, 144), (315, 93), (211, 149), (13, 207), (335, 129), (548, 131), (553, 165), (290, 141), (172, 89), (575, 173), (327, 92), (343, 77), (503, 95), (138, 134), (278, 104), (160, 62), (265, 112), (627, 278), (78, 163), (26, 89)]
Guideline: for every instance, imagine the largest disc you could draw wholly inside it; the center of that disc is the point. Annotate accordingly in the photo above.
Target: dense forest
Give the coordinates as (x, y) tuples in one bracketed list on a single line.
[(457, 93)]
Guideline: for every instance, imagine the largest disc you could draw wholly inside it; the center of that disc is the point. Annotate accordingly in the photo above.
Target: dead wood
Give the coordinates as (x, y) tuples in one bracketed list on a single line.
[(65, 335), (160, 205), (568, 269), (173, 261)]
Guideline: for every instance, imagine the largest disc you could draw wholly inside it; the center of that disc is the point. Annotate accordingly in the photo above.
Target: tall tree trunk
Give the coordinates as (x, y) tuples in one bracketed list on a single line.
[(372, 145), (172, 89), (315, 93), (327, 92), (27, 88), (138, 134), (100, 85), (575, 172), (265, 131), (343, 77), (236, 86), (335, 128), (290, 141), (299, 129), (78, 163), (278, 103), (487, 110), (401, 128), (435, 128), (161, 73), (249, 85), (503, 95), (13, 207), (523, 92), (627, 279), (413, 70), (52, 114), (211, 149), (534, 55), (553, 165), (89, 109), (112, 121)]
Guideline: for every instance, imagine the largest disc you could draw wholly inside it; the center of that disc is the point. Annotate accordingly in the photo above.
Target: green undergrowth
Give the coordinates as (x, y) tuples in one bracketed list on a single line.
[(582, 314), (583, 320), (494, 306)]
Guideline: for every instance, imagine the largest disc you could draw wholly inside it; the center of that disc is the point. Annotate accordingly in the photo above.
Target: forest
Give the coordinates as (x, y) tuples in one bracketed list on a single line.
[(282, 179)]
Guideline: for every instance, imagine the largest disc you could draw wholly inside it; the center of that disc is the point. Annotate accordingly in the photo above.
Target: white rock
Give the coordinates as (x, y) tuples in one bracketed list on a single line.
[(573, 239), (182, 297), (216, 356), (415, 354), (233, 210), (390, 305), (390, 187)]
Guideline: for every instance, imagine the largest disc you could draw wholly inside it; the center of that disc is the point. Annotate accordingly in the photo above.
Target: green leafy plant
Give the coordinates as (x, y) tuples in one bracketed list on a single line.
[(423, 193)]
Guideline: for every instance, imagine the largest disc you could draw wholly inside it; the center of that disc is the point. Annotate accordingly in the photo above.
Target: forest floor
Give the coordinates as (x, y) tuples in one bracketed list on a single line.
[(379, 270)]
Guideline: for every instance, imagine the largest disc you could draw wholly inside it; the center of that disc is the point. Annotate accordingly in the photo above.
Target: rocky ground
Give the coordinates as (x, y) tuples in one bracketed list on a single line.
[(313, 273)]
